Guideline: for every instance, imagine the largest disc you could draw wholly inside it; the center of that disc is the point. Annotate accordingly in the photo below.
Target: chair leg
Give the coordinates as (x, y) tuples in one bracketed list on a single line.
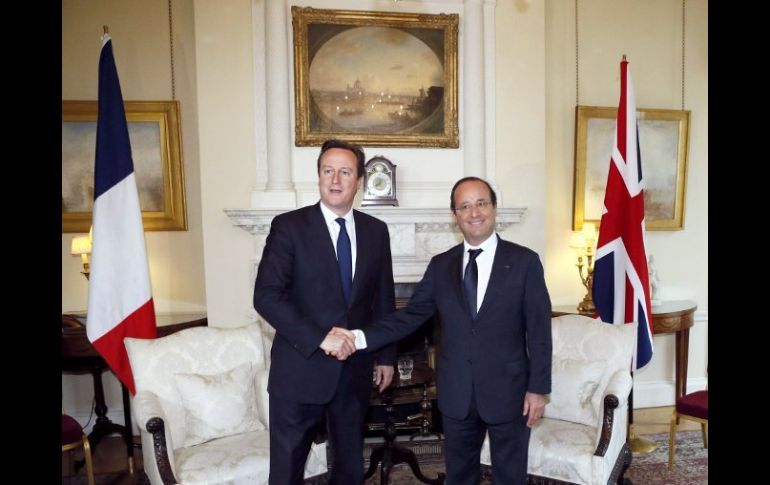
[(704, 432), (89, 460), (672, 439)]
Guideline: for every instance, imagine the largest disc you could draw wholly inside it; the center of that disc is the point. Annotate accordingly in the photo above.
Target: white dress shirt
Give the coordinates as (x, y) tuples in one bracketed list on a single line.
[(484, 263), (334, 232)]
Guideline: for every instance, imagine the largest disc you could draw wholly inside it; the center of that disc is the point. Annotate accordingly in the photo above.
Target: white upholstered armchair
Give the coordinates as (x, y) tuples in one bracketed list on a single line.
[(201, 405), (582, 436)]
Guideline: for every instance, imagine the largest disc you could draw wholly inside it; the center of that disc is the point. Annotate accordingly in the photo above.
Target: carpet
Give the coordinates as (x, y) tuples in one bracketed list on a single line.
[(691, 461), (690, 465)]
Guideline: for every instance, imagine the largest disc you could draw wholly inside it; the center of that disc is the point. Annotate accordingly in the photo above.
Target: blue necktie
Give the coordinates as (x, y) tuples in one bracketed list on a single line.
[(471, 281), (344, 260)]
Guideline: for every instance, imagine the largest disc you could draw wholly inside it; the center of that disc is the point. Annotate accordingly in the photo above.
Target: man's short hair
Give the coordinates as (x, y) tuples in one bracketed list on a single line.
[(492, 195), (356, 149)]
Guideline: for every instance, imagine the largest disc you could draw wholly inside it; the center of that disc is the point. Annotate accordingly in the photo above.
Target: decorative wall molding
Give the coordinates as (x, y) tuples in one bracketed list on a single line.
[(416, 234)]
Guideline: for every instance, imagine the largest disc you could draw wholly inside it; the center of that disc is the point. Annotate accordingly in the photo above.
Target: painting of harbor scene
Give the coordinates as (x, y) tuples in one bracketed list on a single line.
[(376, 84), (374, 79)]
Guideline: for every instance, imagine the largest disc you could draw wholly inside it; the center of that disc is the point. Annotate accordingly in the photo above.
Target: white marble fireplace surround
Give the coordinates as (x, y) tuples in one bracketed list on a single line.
[(416, 234)]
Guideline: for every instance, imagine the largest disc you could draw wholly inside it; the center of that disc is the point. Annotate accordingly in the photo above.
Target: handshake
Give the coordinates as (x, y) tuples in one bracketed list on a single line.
[(339, 342)]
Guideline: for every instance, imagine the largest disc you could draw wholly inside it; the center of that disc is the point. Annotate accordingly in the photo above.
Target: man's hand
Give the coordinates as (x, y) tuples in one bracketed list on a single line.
[(383, 376), (339, 344), (534, 406), (343, 332)]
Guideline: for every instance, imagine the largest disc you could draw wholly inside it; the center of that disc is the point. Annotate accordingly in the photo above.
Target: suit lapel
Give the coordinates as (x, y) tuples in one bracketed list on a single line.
[(501, 267), (363, 241), (456, 278)]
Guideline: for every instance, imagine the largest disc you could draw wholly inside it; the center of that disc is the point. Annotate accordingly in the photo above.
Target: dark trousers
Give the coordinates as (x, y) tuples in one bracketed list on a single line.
[(293, 426), (509, 443)]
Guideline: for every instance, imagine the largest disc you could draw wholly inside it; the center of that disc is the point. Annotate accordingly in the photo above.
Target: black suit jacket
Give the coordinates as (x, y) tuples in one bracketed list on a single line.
[(500, 355), (299, 292)]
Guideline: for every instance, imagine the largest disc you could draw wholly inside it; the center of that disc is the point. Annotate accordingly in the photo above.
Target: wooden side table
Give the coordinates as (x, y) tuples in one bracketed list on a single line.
[(390, 454), (676, 317)]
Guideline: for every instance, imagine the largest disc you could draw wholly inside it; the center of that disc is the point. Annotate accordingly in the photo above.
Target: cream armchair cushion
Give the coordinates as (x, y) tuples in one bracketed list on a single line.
[(577, 382), (219, 405), (159, 407), (582, 436)]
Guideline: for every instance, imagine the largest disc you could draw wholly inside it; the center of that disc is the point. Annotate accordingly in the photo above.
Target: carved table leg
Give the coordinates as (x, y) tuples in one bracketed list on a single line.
[(374, 460), (103, 426), (128, 431), (405, 455)]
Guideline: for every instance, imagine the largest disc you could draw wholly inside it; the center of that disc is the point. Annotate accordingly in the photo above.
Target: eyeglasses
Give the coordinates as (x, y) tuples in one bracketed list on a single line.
[(479, 204)]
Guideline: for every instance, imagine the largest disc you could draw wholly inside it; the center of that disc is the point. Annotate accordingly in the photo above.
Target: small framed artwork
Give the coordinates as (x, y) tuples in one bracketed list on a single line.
[(663, 142), (375, 78), (154, 131)]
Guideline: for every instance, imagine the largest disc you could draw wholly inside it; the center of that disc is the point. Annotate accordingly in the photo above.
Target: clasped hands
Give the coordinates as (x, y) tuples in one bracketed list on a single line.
[(339, 342)]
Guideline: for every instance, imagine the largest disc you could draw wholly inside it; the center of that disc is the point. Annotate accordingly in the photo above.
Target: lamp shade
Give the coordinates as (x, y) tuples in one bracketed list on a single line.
[(80, 245), (577, 241)]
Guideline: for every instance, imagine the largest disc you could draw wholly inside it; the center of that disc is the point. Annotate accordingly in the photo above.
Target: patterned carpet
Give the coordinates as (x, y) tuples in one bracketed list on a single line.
[(690, 465), (691, 462)]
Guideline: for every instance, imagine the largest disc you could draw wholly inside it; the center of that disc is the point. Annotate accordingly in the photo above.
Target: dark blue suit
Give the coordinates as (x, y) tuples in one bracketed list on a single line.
[(485, 365), (298, 291)]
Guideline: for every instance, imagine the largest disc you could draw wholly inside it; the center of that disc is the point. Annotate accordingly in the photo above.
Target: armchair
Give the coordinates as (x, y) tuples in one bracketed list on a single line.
[(582, 436), (201, 405)]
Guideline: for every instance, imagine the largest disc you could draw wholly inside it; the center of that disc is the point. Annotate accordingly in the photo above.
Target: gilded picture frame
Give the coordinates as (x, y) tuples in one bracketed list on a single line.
[(375, 78), (663, 144), (155, 134)]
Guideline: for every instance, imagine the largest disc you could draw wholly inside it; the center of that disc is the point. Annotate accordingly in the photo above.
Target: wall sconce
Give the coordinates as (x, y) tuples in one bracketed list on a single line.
[(583, 243), (81, 245)]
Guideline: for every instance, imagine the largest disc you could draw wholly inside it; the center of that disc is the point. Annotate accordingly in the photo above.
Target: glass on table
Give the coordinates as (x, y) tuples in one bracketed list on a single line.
[(405, 366)]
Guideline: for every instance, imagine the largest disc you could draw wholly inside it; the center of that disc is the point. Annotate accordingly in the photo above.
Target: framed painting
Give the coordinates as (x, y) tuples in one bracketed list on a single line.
[(154, 131), (375, 78), (663, 141)]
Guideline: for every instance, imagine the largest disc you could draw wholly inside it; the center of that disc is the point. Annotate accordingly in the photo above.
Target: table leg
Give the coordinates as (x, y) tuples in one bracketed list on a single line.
[(681, 357), (103, 426), (374, 460), (128, 431), (405, 455)]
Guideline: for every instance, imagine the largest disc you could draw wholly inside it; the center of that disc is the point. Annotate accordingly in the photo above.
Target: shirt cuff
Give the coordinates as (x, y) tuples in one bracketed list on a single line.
[(360, 339)]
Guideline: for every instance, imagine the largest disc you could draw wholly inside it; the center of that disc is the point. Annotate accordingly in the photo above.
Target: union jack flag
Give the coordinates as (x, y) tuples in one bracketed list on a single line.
[(621, 289)]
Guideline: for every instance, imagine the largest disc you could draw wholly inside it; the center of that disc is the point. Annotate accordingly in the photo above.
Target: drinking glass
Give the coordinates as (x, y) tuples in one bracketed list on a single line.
[(405, 366)]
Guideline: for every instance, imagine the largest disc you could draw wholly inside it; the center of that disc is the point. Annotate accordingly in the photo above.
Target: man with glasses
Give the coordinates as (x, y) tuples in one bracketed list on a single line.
[(324, 265), (494, 366)]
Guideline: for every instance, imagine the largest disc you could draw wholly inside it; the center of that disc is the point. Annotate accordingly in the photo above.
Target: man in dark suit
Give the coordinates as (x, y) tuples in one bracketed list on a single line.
[(494, 366), (324, 265)]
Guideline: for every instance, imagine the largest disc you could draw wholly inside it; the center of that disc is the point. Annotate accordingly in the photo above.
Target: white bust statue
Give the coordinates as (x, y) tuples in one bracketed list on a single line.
[(654, 279)]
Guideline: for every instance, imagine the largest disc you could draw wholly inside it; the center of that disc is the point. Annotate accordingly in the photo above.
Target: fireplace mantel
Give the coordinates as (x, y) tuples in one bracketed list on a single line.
[(416, 234)]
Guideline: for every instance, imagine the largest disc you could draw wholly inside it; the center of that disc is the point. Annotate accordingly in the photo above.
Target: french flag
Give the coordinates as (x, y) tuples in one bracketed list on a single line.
[(119, 295), (621, 287)]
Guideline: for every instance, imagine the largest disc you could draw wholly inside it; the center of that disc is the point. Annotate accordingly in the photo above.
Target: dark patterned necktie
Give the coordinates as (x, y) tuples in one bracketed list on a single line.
[(344, 260), (471, 281)]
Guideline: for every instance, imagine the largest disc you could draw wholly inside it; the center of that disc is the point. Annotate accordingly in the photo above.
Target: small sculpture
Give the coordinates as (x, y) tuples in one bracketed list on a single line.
[(652, 271)]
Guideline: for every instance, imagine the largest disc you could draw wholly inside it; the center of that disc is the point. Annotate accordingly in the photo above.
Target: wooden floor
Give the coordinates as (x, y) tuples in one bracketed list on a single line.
[(110, 456)]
